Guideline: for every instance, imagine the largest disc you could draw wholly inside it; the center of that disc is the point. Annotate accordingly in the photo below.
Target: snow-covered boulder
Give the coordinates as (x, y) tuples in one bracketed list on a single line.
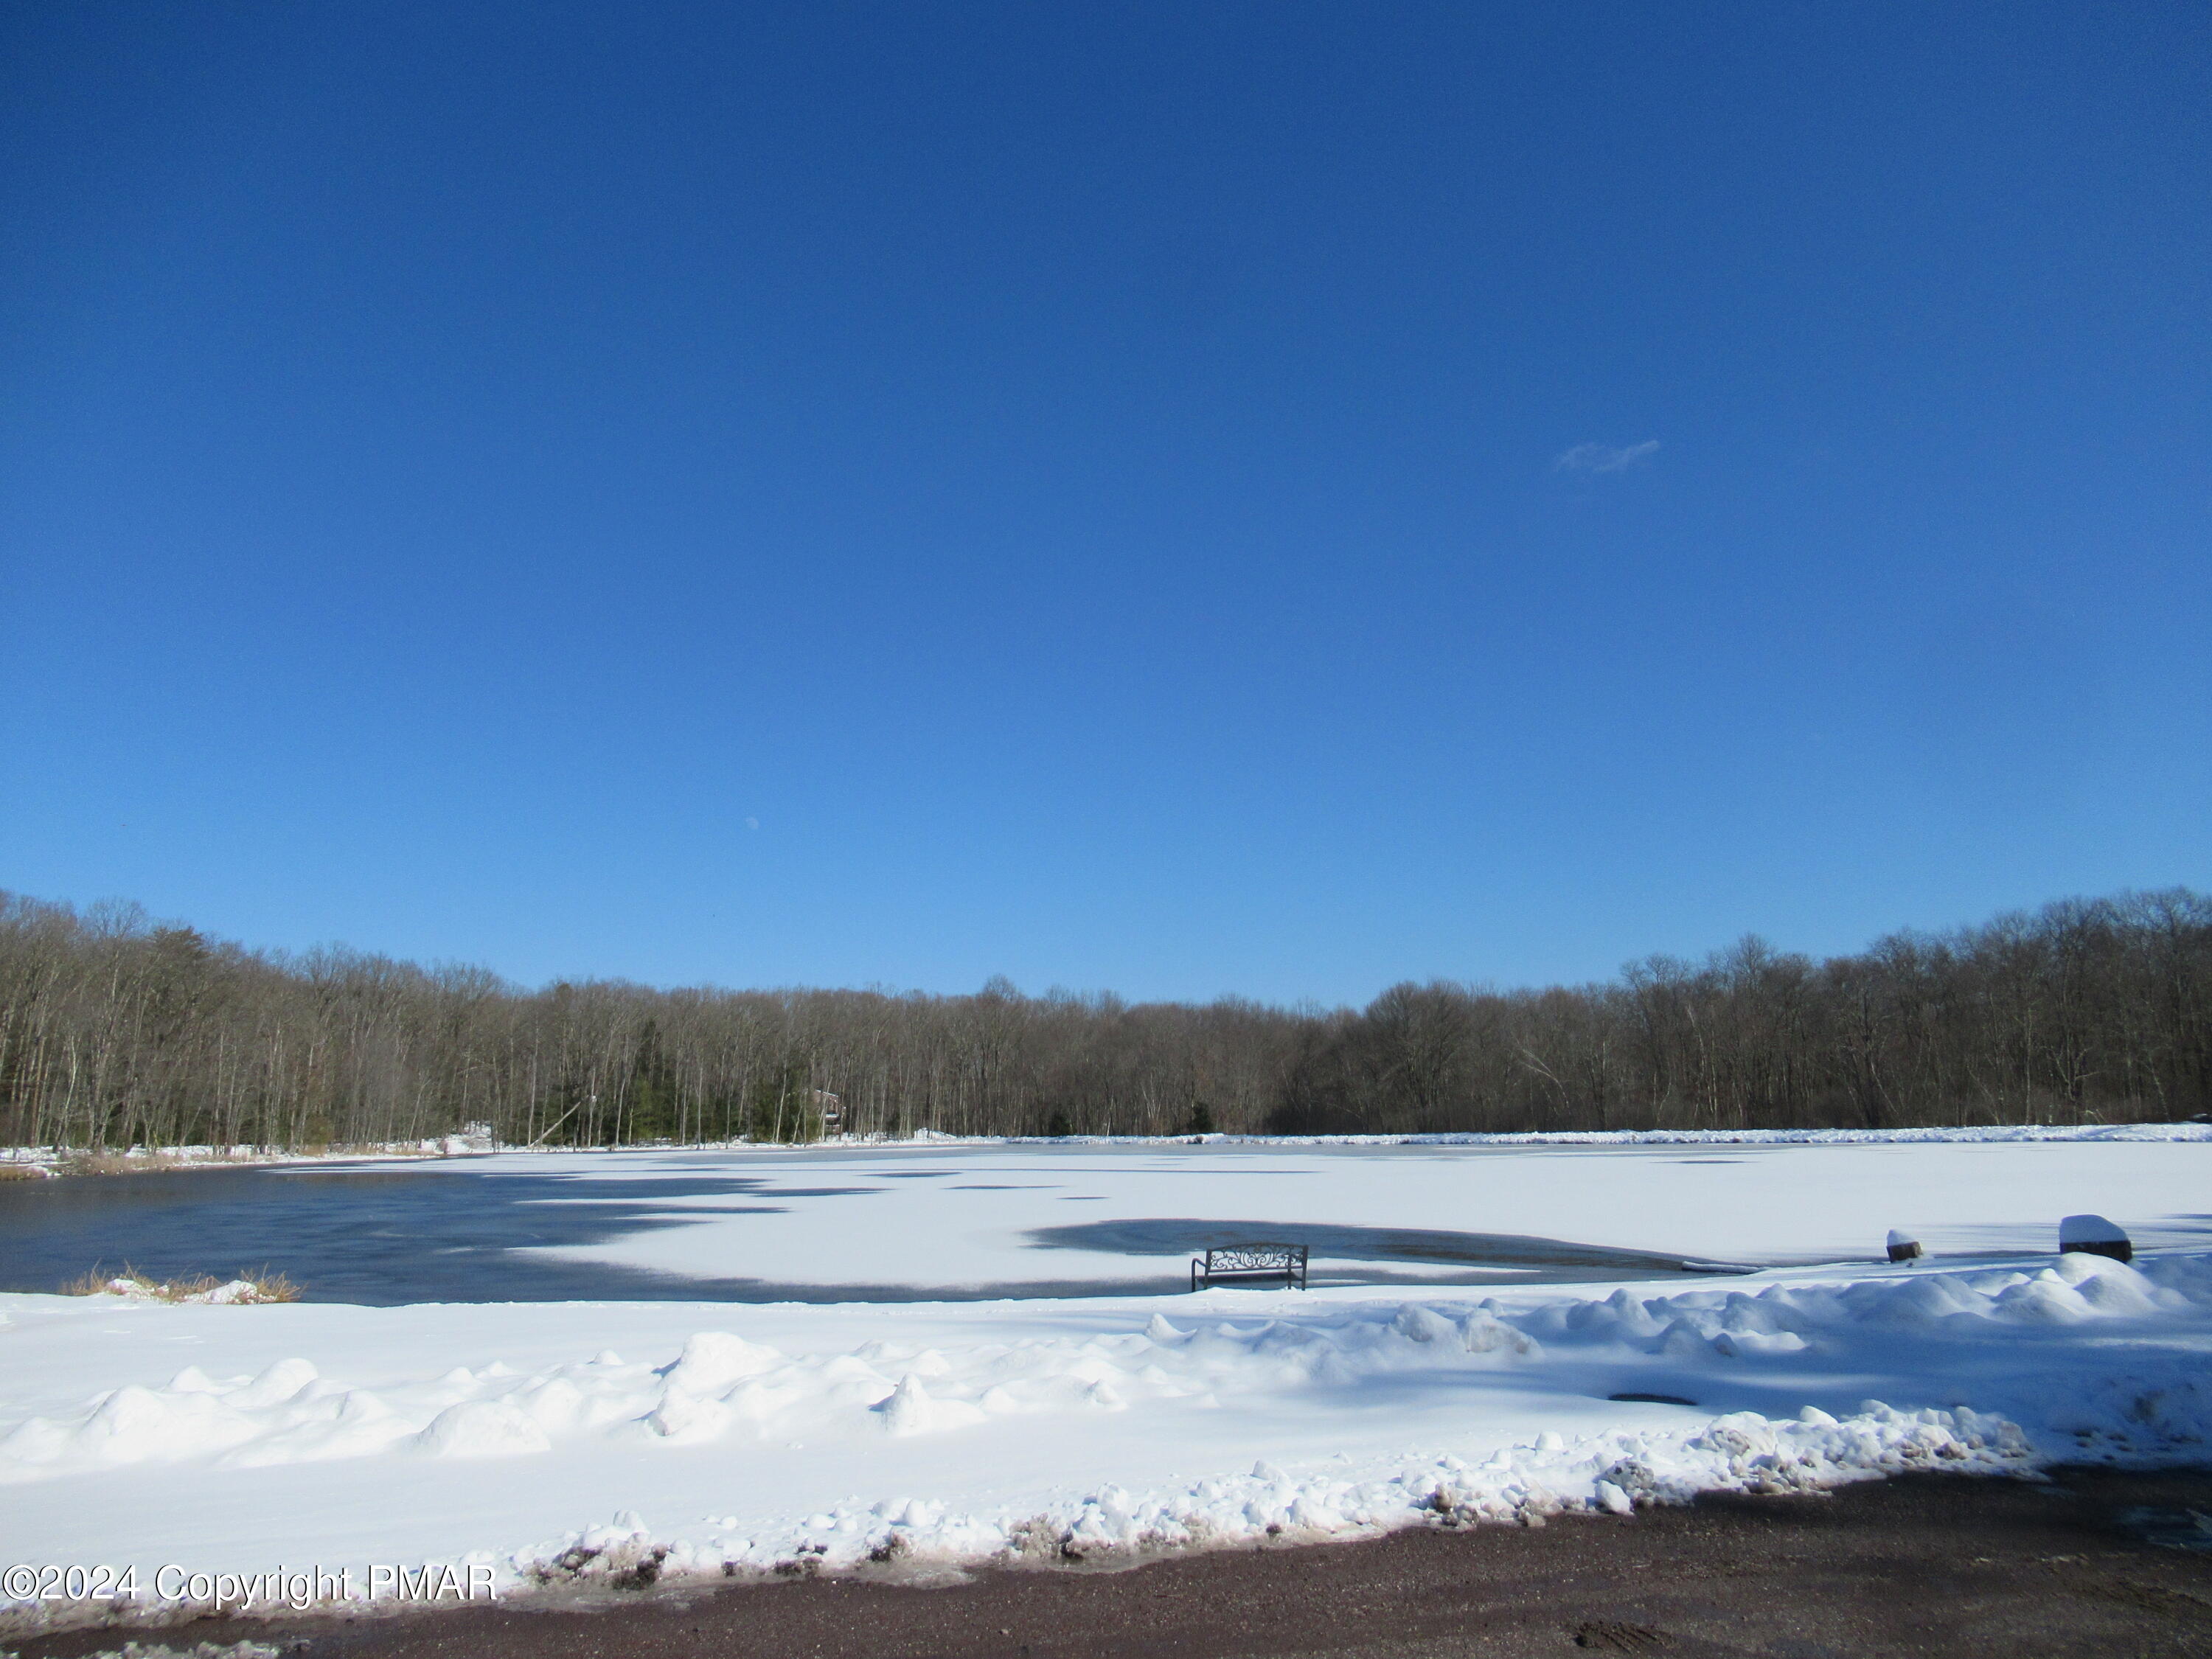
[(2092, 1234)]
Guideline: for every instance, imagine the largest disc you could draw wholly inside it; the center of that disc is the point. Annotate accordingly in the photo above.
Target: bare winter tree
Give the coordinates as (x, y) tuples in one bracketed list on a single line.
[(116, 1030)]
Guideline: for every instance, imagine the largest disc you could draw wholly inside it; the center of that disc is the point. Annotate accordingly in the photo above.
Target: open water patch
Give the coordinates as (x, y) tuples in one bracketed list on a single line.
[(384, 1236)]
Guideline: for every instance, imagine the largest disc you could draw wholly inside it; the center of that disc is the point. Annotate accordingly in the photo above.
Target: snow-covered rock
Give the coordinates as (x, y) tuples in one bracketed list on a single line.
[(2092, 1234)]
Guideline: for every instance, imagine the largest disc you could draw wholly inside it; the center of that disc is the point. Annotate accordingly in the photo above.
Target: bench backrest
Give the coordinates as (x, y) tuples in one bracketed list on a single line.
[(1255, 1258)]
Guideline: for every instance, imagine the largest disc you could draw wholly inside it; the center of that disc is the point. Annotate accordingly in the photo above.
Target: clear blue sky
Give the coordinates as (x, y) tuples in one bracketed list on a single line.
[(1183, 499)]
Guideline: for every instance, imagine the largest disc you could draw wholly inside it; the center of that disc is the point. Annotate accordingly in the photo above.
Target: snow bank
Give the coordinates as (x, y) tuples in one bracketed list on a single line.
[(1969, 1135), (723, 1388), (1614, 1471), (473, 1139), (1525, 1485), (2106, 1359), (476, 1139)]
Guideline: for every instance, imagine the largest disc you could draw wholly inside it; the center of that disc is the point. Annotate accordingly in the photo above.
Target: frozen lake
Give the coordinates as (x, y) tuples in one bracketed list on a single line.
[(970, 1221), (768, 1360)]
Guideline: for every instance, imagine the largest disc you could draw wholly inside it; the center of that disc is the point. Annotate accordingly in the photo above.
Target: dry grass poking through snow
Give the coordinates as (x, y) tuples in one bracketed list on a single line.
[(163, 1162), (121, 1163), (244, 1291)]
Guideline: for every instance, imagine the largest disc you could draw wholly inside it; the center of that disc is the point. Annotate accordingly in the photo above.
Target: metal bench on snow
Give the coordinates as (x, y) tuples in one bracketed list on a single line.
[(1250, 1264)]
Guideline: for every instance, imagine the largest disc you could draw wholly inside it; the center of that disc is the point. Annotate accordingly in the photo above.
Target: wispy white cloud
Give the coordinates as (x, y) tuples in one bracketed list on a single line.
[(1604, 458)]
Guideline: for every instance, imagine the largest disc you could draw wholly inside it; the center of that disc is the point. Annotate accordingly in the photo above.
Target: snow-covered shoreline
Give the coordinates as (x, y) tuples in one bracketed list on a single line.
[(1988, 1134), (951, 1435), (50, 1160), (69, 1160)]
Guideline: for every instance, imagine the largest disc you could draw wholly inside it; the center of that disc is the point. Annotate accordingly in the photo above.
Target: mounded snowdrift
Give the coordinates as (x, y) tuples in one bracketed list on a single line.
[(950, 1436)]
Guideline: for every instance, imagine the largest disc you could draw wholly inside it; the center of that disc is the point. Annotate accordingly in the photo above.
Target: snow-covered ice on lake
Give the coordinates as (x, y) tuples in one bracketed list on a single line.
[(238, 1439), (1007, 1216)]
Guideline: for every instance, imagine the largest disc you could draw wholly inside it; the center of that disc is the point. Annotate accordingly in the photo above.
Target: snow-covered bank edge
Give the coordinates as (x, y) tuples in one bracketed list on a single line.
[(2106, 1362), (1969, 1134), (36, 1161), (1612, 1474), (2127, 1419), (924, 1544)]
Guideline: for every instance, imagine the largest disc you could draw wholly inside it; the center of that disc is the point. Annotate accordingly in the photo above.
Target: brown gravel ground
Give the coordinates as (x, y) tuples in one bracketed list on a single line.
[(1930, 1564)]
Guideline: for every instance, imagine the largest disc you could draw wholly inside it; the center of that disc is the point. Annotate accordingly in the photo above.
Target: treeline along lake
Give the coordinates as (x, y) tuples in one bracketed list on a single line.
[(116, 1030)]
